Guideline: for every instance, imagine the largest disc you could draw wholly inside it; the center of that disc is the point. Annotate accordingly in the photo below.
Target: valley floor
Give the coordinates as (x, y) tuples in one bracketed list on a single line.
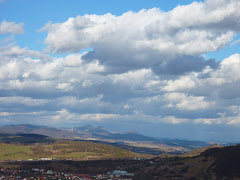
[(213, 163)]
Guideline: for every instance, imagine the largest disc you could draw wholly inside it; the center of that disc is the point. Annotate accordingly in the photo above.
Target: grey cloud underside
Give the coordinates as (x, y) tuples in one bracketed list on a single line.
[(144, 68), (160, 64), (131, 94)]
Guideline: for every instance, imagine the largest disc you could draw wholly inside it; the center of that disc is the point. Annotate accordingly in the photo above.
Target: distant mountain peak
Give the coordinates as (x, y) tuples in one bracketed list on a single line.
[(131, 132), (91, 129)]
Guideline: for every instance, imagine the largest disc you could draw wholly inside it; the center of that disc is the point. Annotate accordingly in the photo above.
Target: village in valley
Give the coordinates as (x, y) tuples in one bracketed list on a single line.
[(42, 174)]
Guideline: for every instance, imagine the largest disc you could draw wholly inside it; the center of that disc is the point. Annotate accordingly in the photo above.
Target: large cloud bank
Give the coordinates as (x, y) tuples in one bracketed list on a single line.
[(145, 66)]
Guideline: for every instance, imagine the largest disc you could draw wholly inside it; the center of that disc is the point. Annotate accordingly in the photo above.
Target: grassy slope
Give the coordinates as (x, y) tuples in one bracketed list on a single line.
[(16, 152), (64, 149), (198, 151)]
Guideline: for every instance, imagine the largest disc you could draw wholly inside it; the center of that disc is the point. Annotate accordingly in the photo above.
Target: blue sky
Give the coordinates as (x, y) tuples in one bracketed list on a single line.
[(161, 68)]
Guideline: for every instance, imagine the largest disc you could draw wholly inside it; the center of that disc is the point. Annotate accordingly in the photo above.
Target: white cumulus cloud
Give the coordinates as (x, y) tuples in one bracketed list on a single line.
[(11, 27)]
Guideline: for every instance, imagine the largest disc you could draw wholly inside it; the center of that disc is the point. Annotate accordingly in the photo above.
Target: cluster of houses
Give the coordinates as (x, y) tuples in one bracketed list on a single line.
[(42, 174)]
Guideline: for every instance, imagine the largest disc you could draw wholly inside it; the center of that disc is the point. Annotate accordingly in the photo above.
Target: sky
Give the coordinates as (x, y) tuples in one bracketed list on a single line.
[(167, 69)]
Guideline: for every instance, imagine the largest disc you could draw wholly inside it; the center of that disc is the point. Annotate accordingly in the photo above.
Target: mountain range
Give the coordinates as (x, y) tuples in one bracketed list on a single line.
[(125, 140), (84, 132)]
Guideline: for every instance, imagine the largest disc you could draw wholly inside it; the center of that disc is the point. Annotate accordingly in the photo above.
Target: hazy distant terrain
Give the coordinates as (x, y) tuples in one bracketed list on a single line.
[(129, 140)]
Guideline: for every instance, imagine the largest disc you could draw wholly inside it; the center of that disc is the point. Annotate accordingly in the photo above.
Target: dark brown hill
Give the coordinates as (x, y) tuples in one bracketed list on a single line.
[(227, 161), (213, 163)]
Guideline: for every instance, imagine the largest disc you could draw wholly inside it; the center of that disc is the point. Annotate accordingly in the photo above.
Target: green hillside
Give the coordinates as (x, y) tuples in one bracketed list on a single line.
[(64, 149)]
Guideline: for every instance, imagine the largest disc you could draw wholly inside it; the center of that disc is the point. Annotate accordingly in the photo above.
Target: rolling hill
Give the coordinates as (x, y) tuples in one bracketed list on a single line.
[(64, 149), (42, 130), (25, 138)]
